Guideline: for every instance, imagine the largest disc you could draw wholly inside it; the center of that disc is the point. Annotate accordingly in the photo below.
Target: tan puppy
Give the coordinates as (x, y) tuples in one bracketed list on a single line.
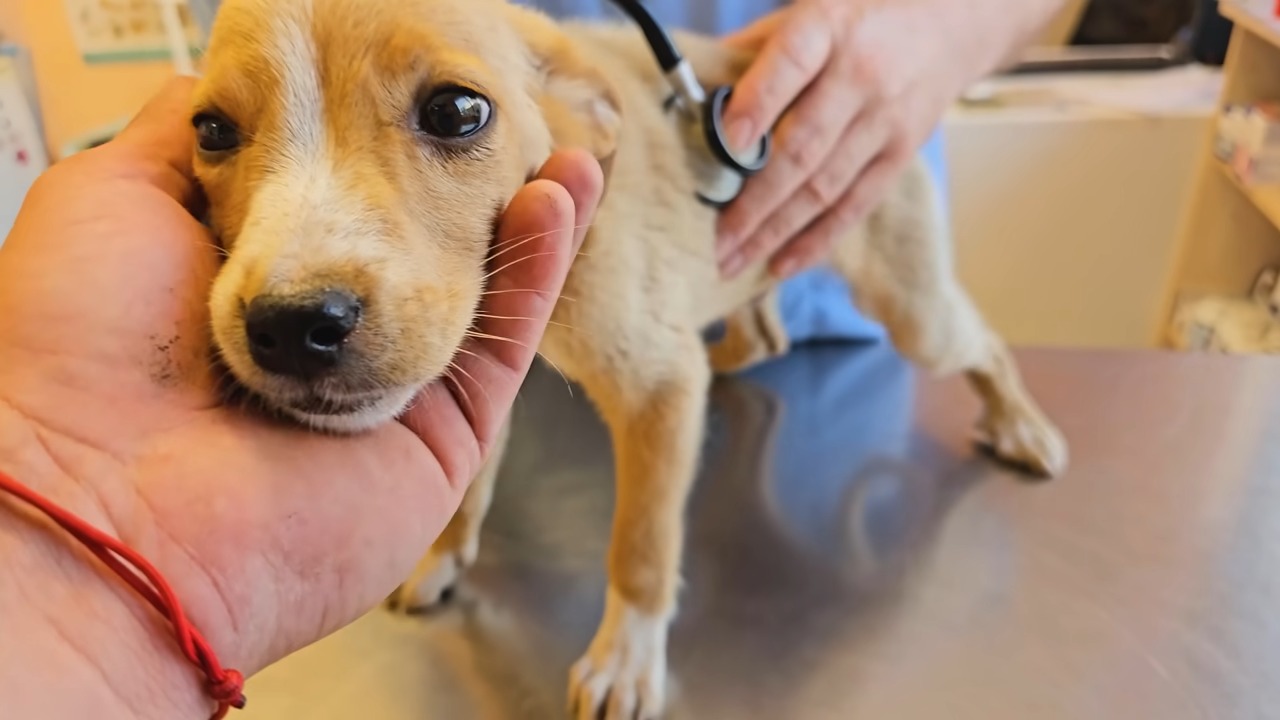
[(356, 154)]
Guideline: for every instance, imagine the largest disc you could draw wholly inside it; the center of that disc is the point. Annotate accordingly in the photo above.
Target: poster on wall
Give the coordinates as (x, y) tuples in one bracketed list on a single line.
[(22, 151), (124, 30)]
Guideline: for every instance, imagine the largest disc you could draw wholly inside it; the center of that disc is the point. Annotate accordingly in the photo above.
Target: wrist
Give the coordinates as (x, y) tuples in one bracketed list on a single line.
[(83, 644), (986, 36)]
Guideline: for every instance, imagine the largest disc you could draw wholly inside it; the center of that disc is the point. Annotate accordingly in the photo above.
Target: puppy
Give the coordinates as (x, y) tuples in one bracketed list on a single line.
[(356, 153)]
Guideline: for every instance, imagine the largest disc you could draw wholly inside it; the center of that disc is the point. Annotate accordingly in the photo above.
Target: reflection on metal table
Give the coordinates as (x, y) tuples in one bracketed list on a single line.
[(850, 556)]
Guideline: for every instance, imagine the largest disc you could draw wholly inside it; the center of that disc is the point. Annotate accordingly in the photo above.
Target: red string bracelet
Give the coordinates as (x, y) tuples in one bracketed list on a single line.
[(226, 686)]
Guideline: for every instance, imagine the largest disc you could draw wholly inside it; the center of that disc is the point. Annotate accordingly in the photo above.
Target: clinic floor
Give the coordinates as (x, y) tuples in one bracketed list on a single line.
[(851, 557)]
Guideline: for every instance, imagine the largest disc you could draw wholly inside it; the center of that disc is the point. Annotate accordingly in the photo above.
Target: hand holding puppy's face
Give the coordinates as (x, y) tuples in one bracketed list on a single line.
[(356, 155)]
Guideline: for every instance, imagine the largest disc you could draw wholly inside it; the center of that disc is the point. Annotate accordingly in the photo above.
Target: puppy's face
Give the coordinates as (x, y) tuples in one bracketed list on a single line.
[(356, 155)]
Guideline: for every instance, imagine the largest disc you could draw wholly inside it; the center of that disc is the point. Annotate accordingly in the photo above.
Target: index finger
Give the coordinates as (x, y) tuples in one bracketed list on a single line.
[(792, 57)]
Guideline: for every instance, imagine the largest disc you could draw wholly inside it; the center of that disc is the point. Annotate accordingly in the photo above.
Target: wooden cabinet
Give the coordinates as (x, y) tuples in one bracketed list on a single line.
[(1230, 231)]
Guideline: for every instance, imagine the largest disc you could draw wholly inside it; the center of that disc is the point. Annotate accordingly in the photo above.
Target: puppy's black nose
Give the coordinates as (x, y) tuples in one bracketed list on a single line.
[(300, 337)]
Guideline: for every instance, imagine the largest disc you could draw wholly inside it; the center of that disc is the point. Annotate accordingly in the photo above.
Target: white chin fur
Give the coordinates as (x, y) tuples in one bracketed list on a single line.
[(384, 410)]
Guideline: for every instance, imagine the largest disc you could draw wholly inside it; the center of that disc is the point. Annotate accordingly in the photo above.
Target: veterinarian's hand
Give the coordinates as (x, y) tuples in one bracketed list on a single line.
[(271, 537), (855, 87)]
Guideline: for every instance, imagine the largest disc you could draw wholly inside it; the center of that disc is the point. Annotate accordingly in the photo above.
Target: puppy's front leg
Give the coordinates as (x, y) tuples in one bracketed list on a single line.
[(656, 416)]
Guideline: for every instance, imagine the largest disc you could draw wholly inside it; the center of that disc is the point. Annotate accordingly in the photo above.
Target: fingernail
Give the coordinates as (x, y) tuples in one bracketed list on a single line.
[(733, 265), (741, 134)]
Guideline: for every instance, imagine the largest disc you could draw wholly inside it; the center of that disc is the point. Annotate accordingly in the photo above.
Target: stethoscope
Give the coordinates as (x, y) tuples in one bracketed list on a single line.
[(719, 187)]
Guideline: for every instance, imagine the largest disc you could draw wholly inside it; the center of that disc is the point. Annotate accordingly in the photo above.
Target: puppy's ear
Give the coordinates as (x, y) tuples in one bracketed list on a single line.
[(582, 108)]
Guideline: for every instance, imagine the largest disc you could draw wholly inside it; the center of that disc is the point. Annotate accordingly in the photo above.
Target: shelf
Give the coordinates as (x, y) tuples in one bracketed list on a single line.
[(1266, 198), (1254, 16), (1221, 245), (1222, 324)]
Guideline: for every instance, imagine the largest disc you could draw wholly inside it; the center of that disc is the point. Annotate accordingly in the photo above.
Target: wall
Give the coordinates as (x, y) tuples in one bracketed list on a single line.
[(11, 26), (74, 97)]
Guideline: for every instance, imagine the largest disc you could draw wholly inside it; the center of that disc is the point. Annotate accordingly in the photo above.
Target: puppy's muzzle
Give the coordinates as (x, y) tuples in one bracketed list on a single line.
[(301, 337)]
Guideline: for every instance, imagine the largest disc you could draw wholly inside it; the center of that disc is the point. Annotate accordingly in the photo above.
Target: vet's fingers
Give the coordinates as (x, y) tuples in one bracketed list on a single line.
[(790, 59), (823, 189), (814, 245), (804, 253), (809, 136), (158, 144)]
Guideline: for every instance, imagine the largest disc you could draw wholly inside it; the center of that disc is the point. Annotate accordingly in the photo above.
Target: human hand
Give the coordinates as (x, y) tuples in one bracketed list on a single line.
[(854, 87), (272, 537)]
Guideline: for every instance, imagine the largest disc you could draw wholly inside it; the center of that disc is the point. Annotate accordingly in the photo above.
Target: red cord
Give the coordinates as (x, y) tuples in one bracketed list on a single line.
[(226, 686)]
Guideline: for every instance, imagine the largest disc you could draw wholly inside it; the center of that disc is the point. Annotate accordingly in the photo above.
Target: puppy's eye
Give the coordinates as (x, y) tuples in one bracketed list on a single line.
[(454, 113), (215, 134)]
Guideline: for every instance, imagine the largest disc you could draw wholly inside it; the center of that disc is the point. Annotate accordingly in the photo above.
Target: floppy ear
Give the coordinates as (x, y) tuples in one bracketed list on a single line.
[(581, 107)]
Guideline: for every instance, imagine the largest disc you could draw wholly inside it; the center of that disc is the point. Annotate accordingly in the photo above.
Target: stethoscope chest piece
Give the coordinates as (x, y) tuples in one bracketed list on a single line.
[(746, 163), (735, 165), (718, 185)]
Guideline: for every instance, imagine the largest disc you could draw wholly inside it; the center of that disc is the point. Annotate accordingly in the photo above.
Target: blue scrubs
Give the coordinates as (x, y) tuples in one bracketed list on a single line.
[(815, 305)]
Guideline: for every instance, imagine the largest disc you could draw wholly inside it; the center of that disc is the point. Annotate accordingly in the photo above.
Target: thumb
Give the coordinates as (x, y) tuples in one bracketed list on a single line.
[(753, 36), (540, 233), (157, 146)]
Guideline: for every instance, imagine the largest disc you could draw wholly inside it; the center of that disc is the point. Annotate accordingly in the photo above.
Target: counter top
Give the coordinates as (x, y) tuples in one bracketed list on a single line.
[(850, 556)]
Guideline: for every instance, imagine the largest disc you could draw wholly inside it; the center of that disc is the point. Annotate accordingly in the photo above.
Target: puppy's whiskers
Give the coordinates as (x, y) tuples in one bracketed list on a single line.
[(567, 385), (486, 336), (521, 239), (468, 407), (508, 245), (515, 242), (477, 383), (222, 252), (478, 356), (470, 410), (419, 399), (527, 290), (487, 316), (515, 262)]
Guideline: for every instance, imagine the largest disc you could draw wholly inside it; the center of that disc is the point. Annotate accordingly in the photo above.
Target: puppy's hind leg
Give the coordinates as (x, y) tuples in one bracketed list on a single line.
[(753, 334), (433, 580), (901, 269), (655, 408)]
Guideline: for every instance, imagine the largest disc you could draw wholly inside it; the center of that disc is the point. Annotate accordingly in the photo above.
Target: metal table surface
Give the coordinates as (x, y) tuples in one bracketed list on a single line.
[(850, 556)]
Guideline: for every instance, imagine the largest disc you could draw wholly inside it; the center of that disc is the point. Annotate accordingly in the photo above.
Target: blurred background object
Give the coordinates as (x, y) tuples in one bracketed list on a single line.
[(22, 147)]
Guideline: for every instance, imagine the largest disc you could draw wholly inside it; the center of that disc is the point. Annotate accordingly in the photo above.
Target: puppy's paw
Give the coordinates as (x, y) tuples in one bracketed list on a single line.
[(1025, 438), (432, 583), (624, 673)]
